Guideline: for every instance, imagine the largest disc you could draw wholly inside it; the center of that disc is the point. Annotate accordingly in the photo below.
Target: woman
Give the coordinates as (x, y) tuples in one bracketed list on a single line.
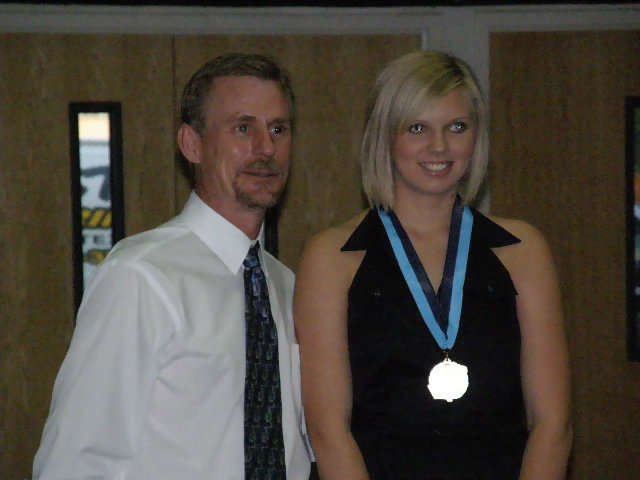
[(431, 336)]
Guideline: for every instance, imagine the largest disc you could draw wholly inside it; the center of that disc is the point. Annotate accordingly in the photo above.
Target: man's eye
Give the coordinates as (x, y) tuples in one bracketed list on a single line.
[(242, 128), (279, 129), (416, 128), (458, 127)]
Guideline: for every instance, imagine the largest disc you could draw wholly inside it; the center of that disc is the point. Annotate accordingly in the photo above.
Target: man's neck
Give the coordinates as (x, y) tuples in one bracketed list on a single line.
[(248, 220)]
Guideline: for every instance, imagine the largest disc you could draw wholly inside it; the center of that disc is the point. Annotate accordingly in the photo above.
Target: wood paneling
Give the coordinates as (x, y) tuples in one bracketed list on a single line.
[(40, 75), (557, 103), (331, 76)]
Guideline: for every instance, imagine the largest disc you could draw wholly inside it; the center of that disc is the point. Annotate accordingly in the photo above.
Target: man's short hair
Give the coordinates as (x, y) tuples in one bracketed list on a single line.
[(197, 90)]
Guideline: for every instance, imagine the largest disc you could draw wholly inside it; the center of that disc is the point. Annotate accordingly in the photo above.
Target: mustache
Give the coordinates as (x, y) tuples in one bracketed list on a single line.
[(265, 164)]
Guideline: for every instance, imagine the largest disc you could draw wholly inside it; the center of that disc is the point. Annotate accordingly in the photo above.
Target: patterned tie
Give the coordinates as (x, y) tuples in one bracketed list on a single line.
[(263, 443)]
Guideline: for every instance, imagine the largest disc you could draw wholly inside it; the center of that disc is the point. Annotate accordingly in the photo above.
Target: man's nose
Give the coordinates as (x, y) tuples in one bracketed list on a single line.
[(263, 142)]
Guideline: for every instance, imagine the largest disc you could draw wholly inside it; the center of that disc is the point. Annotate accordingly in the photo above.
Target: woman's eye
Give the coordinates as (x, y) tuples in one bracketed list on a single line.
[(416, 128), (242, 128), (458, 127)]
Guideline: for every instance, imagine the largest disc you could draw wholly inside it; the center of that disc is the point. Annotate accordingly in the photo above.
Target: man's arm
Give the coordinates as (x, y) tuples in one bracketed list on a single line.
[(103, 389)]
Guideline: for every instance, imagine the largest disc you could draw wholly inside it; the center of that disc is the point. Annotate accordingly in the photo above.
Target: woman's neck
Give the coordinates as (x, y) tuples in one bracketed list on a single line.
[(424, 214)]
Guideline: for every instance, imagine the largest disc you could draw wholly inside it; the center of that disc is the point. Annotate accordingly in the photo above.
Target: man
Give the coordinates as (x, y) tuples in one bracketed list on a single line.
[(164, 378)]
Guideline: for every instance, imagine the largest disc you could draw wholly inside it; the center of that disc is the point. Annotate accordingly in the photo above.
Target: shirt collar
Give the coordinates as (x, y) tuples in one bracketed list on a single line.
[(226, 240)]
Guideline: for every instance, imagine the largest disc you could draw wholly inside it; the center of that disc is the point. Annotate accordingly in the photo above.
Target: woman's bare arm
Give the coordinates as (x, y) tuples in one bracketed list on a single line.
[(320, 314), (544, 357)]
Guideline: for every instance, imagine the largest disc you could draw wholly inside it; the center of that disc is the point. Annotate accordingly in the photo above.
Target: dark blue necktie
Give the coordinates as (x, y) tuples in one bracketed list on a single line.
[(263, 443)]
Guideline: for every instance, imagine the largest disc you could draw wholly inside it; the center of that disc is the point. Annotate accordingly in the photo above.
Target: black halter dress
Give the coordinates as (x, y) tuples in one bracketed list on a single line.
[(402, 432)]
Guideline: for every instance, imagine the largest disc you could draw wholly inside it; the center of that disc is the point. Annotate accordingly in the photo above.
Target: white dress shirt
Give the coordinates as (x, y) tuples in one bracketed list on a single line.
[(152, 387)]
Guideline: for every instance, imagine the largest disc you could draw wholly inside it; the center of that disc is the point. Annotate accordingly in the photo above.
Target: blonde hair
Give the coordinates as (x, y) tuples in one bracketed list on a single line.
[(401, 92)]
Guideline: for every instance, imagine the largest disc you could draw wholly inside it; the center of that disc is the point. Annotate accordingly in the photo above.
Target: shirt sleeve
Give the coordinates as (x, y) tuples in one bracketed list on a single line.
[(103, 389)]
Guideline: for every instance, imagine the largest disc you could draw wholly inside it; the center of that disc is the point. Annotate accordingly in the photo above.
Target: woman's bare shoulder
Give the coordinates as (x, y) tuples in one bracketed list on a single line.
[(331, 240), (529, 235), (528, 257), (323, 261)]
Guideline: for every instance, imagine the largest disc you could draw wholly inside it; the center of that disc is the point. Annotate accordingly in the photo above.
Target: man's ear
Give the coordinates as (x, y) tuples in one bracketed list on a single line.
[(189, 142)]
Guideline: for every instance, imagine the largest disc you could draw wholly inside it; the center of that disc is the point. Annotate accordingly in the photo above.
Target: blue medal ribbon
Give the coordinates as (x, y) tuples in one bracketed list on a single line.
[(441, 315)]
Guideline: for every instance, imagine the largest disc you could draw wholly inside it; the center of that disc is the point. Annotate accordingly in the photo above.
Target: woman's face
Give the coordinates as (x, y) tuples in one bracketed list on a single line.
[(433, 153)]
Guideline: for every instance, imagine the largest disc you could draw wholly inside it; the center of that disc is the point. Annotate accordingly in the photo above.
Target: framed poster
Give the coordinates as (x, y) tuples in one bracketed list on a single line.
[(632, 151), (96, 185)]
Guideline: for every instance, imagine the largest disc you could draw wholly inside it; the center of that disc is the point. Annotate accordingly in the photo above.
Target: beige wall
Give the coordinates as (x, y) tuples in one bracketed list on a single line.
[(559, 162), (41, 74)]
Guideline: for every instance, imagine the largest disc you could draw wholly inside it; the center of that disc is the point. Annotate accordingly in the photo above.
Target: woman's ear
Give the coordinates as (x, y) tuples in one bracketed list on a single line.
[(189, 142)]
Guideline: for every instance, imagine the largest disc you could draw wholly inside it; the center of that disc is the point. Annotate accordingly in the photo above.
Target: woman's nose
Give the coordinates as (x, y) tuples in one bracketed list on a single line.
[(438, 142)]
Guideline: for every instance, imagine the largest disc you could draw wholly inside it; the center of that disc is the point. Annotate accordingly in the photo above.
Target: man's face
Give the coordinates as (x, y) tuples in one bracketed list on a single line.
[(242, 161)]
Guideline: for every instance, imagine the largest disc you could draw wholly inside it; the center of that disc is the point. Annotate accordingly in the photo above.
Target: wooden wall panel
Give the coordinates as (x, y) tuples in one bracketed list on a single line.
[(39, 76), (557, 103), (331, 76)]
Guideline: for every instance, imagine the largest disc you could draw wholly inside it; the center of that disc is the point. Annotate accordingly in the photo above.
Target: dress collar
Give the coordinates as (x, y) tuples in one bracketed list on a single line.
[(485, 232), (226, 240)]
